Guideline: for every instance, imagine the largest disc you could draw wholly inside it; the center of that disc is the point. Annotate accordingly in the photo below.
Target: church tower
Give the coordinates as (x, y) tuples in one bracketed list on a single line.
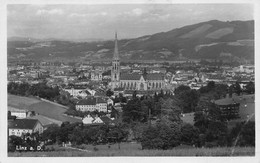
[(115, 71)]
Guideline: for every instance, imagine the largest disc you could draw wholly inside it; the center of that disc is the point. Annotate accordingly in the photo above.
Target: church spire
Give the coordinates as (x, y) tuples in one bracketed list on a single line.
[(116, 55)]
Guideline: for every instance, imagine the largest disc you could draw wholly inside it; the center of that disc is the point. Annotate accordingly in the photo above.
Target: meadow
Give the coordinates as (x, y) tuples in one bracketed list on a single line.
[(44, 108), (134, 149)]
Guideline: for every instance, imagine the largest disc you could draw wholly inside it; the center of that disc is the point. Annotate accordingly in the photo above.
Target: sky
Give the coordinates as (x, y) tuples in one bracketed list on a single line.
[(85, 21)]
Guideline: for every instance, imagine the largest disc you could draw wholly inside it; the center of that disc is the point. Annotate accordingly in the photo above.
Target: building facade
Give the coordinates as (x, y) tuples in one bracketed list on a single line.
[(92, 104), (136, 80), (96, 75), (19, 127)]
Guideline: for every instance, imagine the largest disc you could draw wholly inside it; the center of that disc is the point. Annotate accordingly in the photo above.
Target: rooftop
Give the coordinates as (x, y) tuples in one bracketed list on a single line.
[(23, 123)]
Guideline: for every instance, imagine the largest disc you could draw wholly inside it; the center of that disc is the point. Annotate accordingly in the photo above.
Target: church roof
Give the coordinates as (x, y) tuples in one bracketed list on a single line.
[(135, 76), (154, 76), (130, 76)]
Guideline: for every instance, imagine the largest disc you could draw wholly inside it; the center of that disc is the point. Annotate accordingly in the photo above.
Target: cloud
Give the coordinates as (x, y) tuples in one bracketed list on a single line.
[(137, 11), (77, 15), (50, 12), (134, 12), (90, 15)]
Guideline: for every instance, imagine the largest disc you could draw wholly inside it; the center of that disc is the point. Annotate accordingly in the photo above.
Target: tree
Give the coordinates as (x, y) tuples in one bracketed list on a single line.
[(188, 99), (211, 85), (250, 88), (236, 88), (181, 89), (109, 93), (132, 112), (134, 94), (214, 91), (217, 132), (243, 134), (14, 141), (51, 133), (189, 134), (160, 136), (116, 135), (170, 111)]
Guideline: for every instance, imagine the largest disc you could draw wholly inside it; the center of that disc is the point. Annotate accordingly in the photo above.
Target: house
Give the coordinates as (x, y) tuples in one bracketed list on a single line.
[(103, 120), (19, 113), (23, 126), (88, 119), (74, 91), (110, 102), (96, 75), (92, 104)]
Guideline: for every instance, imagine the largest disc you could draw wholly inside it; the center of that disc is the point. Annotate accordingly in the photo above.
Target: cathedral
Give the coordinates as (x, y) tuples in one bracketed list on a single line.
[(133, 81)]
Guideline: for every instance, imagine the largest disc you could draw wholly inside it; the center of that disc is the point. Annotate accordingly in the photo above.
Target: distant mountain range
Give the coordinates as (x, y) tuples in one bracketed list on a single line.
[(231, 40)]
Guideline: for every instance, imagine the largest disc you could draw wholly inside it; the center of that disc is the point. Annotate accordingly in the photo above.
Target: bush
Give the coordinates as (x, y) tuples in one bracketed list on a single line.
[(244, 133), (189, 134), (160, 136), (95, 149)]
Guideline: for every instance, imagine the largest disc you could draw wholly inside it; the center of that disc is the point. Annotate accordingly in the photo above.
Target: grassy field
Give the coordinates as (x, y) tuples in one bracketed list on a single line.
[(41, 107), (51, 111), (21, 102), (128, 149)]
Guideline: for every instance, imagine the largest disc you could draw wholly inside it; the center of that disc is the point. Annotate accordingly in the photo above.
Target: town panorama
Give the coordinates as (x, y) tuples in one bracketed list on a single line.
[(186, 92)]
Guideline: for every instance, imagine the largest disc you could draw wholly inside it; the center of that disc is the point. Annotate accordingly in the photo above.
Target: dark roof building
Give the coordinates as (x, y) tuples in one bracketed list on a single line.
[(155, 76), (92, 101), (23, 124), (133, 76), (100, 100), (87, 101)]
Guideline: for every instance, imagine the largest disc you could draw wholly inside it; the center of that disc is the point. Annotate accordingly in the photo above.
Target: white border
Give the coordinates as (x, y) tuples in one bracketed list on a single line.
[(3, 83)]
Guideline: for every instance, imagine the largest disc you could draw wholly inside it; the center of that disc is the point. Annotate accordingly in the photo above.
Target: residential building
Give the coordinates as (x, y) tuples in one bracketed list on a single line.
[(92, 104), (19, 113), (23, 126), (96, 75), (88, 119)]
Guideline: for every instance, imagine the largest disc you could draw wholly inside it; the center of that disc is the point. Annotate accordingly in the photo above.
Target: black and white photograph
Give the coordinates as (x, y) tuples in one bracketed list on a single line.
[(130, 79)]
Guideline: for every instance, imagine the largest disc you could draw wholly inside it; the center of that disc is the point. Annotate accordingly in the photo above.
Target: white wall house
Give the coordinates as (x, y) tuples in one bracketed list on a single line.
[(74, 91), (23, 126), (92, 104), (88, 120), (19, 113)]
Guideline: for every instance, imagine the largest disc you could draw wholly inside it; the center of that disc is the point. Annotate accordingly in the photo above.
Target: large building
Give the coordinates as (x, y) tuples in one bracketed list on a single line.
[(134, 81), (92, 104)]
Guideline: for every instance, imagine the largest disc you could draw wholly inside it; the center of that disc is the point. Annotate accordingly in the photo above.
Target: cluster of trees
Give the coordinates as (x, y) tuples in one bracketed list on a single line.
[(156, 121), (146, 107), (77, 133), (215, 132), (187, 97), (40, 90)]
